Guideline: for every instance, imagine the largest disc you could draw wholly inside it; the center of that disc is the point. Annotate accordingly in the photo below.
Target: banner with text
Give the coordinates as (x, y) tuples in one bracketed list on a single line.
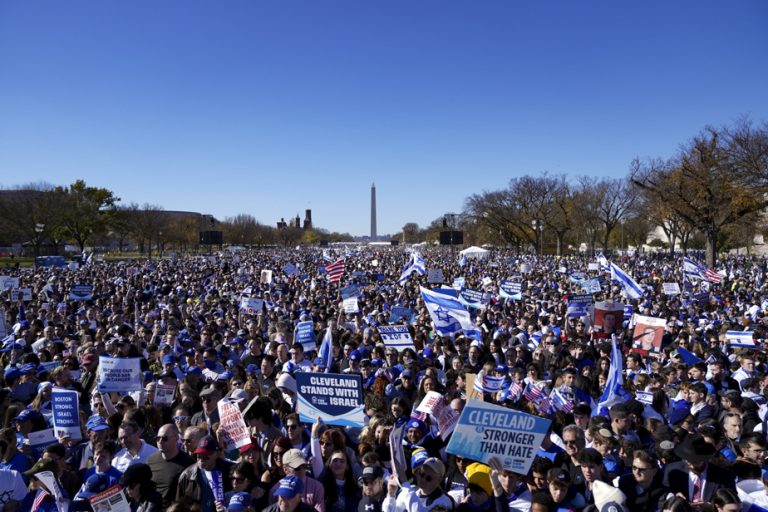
[(396, 336), (66, 413), (336, 398), (119, 374), (305, 334), (435, 405), (231, 422), (486, 431)]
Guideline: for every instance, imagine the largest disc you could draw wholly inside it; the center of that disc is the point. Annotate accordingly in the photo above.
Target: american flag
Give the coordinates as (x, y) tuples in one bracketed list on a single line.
[(515, 390), (545, 406), (335, 271), (534, 393), (712, 276), (39, 499)]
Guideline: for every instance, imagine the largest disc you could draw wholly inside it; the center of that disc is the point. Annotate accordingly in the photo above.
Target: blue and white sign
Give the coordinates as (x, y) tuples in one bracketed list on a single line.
[(591, 286), (119, 374), (486, 431), (740, 339), (396, 336), (511, 290), (81, 292), (66, 413), (336, 398), (351, 306), (579, 305), (350, 291), (398, 313), (629, 310), (305, 334), (471, 298), (251, 306), (290, 269)]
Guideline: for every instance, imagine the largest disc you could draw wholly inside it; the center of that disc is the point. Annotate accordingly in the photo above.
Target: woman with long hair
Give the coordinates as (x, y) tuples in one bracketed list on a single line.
[(342, 493), (274, 472), (244, 479)]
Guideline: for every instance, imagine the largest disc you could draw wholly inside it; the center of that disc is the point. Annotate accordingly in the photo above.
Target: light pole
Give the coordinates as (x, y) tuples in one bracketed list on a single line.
[(538, 227), (39, 228)]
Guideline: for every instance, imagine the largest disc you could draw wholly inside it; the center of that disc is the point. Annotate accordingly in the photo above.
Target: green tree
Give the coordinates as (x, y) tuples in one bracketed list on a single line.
[(88, 211)]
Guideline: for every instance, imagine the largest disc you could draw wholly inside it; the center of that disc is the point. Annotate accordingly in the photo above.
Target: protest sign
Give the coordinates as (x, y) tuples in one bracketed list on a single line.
[(266, 277), (458, 283), (591, 286), (164, 394), (41, 439), (351, 306), (435, 276), (471, 298), (608, 315), (398, 313), (648, 334), (81, 292), (593, 266), (350, 291), (336, 398), (119, 374), (24, 294), (251, 306), (8, 283), (290, 269), (671, 288), (434, 404), (579, 305), (486, 431), (396, 452), (396, 336), (511, 290), (629, 310), (111, 500), (231, 422), (305, 334), (66, 413), (469, 387)]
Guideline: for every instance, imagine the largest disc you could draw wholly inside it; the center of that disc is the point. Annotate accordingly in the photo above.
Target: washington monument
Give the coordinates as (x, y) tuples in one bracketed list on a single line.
[(373, 211)]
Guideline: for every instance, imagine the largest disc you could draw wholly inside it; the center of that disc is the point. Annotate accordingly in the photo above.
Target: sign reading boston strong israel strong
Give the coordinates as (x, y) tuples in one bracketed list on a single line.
[(336, 398), (486, 431)]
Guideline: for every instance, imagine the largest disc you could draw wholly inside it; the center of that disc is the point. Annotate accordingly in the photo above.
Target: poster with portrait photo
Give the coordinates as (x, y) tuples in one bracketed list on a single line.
[(609, 316), (647, 335)]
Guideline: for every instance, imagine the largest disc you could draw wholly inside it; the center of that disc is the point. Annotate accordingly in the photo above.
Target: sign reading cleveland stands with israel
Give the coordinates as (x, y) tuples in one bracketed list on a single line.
[(486, 431), (336, 398)]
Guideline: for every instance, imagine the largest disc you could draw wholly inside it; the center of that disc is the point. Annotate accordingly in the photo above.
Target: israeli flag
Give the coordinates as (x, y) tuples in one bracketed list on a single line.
[(448, 315), (489, 384), (692, 270), (416, 264), (462, 260), (326, 350), (327, 255), (614, 393), (605, 266), (740, 339), (631, 289)]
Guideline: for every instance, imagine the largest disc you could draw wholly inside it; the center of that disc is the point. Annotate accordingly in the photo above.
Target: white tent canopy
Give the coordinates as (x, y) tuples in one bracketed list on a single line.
[(475, 252)]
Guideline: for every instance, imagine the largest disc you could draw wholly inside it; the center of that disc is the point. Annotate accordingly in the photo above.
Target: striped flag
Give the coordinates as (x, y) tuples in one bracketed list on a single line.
[(515, 391), (740, 339), (560, 402), (534, 393), (41, 495), (335, 271), (545, 406), (693, 270), (631, 289), (489, 384)]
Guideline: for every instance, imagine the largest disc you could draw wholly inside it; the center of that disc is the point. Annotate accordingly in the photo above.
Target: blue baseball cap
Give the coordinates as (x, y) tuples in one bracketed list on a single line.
[(237, 340), (96, 424), (252, 368), (26, 414), (418, 457), (417, 424), (95, 484), (194, 370), (289, 487), (239, 501), (355, 355), (12, 373), (169, 359)]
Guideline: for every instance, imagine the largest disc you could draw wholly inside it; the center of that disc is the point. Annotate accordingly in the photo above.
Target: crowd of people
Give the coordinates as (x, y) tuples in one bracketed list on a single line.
[(686, 431)]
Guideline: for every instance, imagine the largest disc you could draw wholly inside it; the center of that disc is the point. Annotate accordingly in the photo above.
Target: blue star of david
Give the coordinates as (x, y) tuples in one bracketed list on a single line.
[(442, 314)]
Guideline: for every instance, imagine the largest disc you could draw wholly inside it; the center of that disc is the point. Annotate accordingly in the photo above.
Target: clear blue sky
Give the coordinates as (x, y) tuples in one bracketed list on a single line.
[(271, 107)]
